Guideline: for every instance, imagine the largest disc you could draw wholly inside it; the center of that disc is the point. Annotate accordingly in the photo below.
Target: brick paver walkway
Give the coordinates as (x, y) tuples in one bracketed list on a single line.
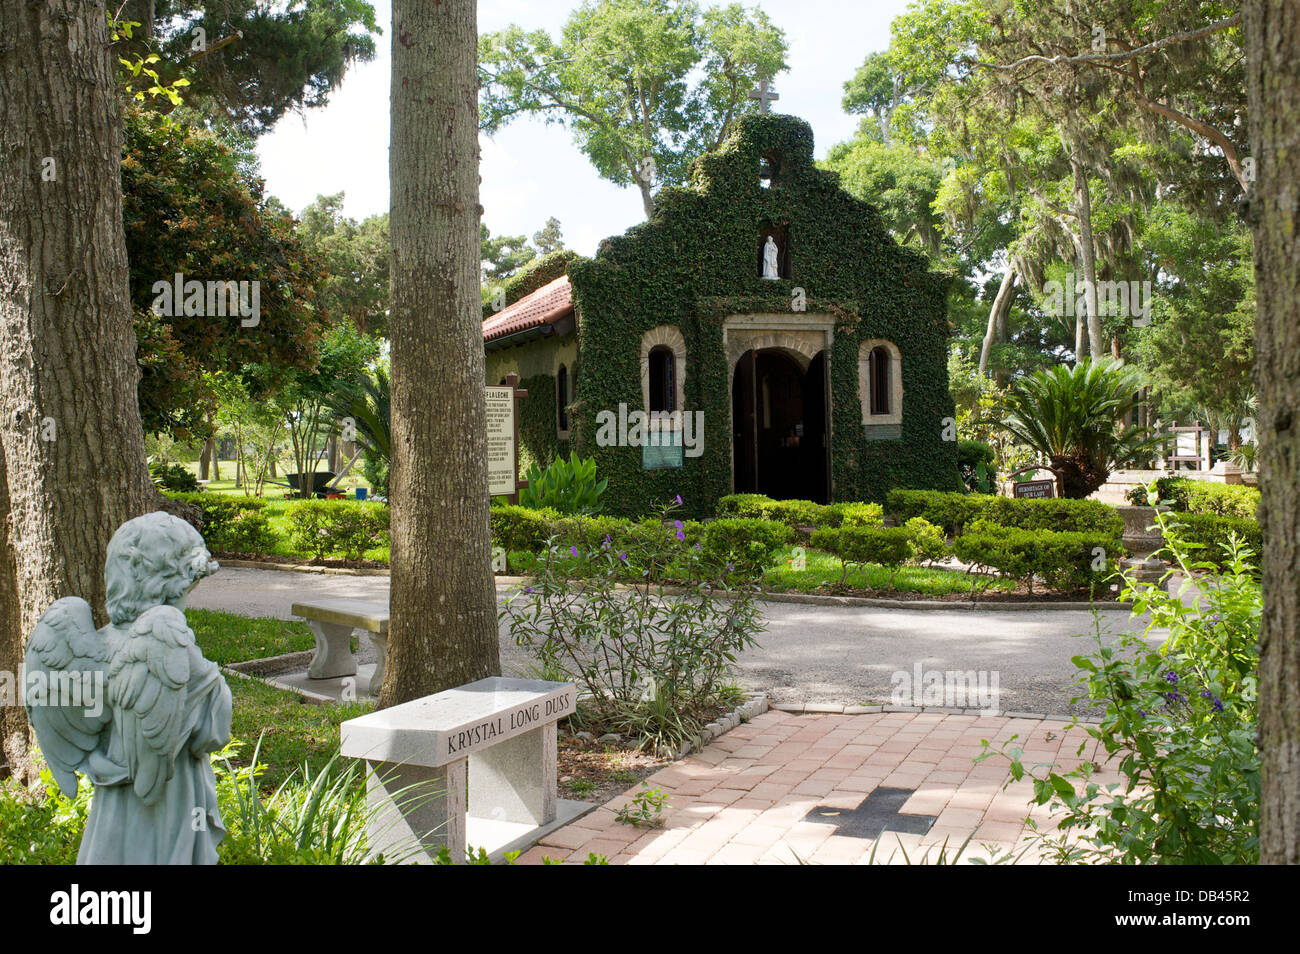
[(744, 798)]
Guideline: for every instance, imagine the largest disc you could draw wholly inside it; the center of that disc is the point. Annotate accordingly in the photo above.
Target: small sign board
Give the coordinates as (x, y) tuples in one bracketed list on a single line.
[(659, 456), (1034, 489), (502, 477)]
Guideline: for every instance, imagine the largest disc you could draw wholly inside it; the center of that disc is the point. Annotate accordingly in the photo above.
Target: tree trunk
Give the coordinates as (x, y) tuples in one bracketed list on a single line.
[(998, 314), (74, 459), (1272, 39), (205, 457), (1087, 252), (443, 631)]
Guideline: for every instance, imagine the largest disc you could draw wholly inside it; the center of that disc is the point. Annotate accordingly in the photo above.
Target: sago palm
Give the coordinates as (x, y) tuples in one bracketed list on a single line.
[(1071, 417)]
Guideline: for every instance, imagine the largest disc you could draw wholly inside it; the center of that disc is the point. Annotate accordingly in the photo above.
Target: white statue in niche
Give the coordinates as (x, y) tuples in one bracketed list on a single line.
[(771, 269)]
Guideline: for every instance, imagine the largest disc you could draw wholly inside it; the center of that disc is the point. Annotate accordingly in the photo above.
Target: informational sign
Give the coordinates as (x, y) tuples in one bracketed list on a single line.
[(1034, 488), (658, 457), (502, 459)]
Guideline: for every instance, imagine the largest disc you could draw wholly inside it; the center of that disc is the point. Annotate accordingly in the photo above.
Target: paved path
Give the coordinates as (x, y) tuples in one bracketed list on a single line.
[(817, 654), (783, 789)]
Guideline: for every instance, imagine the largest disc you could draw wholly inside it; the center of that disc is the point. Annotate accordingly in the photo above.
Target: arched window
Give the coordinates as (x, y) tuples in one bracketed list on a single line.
[(880, 387), (878, 375), (663, 379), (663, 370), (562, 397)]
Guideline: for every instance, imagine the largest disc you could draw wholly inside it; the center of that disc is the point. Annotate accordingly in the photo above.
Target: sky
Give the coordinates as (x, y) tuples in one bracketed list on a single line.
[(531, 171)]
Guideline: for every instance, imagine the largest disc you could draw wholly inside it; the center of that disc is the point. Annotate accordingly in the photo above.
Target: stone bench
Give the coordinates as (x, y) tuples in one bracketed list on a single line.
[(471, 766), (332, 622)]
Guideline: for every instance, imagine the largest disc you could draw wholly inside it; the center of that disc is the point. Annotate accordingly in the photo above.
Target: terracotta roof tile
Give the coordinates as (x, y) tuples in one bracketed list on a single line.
[(545, 306)]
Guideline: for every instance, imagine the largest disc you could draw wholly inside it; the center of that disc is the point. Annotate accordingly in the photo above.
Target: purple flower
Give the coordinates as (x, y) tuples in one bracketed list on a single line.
[(623, 557), (604, 544), (573, 551), (528, 589), (678, 501), (1171, 677), (1218, 703), (1141, 714), (680, 534)]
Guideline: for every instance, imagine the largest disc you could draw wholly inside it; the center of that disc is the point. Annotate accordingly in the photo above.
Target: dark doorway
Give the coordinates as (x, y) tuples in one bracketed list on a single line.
[(779, 426)]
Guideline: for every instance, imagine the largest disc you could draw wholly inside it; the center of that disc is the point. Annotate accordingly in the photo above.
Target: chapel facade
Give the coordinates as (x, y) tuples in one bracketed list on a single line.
[(762, 333)]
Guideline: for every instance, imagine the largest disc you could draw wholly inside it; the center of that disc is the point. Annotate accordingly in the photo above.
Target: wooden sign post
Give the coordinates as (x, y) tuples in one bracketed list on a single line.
[(1035, 489), (503, 439)]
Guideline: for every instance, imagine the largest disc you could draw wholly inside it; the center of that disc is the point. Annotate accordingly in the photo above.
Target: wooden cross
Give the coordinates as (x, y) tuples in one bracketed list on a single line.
[(878, 813), (764, 95)]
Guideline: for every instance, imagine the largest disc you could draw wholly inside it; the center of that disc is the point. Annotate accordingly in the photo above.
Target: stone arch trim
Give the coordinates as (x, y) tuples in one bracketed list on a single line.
[(895, 415), (671, 337)]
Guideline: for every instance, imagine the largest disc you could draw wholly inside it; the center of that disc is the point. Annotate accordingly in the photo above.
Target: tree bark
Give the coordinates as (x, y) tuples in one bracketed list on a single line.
[(1272, 39), (1087, 257), (443, 629), (74, 459), (998, 314)]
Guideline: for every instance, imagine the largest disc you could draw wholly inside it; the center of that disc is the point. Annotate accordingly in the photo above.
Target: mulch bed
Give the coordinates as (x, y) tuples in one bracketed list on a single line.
[(593, 771)]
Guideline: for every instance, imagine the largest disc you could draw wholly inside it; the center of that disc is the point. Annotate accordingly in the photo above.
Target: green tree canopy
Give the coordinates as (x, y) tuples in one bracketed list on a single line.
[(189, 209), (645, 86)]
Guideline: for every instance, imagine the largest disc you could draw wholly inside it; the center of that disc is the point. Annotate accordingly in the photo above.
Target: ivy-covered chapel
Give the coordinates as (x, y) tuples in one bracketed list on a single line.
[(762, 333)]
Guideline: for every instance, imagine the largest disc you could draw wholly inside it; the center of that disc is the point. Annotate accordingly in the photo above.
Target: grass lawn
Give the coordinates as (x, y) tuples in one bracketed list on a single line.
[(227, 638), (292, 732)]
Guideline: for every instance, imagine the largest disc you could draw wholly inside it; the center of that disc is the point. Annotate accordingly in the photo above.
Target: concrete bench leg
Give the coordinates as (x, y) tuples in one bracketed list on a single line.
[(333, 651), (414, 807), (514, 780), (381, 658)]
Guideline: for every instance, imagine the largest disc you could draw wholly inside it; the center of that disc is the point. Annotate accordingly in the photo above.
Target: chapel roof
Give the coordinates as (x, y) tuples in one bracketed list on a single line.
[(545, 306)]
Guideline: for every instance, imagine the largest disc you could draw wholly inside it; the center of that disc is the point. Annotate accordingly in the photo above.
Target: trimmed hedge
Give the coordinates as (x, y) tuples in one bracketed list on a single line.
[(1065, 561), (954, 512), (231, 524), (950, 510), (348, 528), (889, 547), (742, 545), (1198, 496), (800, 513), (1214, 533)]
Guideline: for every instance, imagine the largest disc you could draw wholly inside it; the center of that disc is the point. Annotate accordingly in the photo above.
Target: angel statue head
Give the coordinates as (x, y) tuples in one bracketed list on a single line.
[(153, 560)]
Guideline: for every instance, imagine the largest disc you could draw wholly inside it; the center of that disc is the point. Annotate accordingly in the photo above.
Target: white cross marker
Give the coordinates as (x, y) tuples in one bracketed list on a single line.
[(764, 95)]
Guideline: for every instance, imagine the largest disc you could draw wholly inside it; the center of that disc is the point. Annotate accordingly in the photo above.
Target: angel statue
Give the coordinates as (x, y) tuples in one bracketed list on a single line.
[(150, 709)]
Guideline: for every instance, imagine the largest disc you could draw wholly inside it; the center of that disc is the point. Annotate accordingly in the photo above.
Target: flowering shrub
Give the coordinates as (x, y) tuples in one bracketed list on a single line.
[(646, 665), (1181, 721)]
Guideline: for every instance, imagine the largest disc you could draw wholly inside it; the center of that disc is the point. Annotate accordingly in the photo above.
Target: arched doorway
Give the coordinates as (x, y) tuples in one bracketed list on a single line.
[(780, 446)]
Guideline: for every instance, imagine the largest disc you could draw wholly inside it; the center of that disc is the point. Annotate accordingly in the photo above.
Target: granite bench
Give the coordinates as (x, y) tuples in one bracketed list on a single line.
[(332, 621), (471, 766)]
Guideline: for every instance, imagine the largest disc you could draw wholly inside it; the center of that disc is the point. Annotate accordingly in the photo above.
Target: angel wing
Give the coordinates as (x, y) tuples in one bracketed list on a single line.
[(66, 652), (148, 685)]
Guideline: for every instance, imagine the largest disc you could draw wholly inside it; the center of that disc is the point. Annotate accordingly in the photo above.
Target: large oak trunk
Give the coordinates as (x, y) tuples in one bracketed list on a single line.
[(74, 461), (1272, 33), (443, 631)]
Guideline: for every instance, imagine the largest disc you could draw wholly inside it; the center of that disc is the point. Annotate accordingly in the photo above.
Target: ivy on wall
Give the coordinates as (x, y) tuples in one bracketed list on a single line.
[(538, 440), (696, 262)]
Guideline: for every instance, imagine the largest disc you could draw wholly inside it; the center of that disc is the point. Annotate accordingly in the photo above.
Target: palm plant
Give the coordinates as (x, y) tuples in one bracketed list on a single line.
[(369, 412), (1071, 417)]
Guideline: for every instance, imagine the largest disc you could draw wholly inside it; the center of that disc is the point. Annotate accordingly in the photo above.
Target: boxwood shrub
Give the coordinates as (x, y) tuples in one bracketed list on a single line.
[(231, 524), (746, 546), (1197, 496), (1066, 561), (1077, 516), (949, 510), (800, 513), (349, 529), (1213, 532)]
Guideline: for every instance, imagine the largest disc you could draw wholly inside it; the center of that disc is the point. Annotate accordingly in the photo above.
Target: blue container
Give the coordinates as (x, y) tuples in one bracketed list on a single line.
[(361, 493)]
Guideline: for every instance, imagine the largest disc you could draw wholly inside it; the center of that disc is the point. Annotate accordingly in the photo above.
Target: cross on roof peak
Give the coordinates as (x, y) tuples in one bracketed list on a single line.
[(764, 94)]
